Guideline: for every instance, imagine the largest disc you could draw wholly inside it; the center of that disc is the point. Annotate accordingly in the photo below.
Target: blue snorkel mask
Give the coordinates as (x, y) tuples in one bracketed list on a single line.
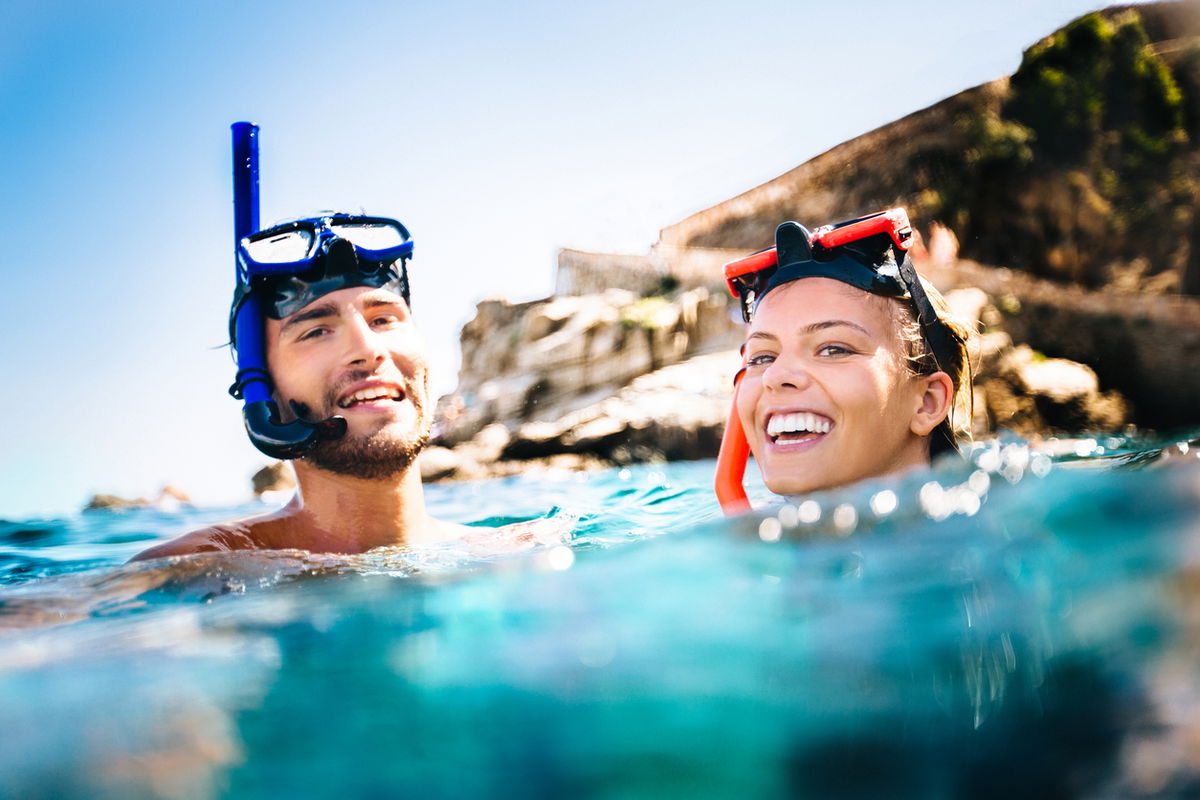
[(281, 270)]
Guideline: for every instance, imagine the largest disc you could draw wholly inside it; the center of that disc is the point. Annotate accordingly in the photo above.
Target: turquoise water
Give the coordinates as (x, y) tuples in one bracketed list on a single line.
[(1022, 626)]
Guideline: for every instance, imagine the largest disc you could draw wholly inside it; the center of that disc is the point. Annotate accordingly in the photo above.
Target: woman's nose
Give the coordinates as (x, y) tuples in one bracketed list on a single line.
[(785, 373)]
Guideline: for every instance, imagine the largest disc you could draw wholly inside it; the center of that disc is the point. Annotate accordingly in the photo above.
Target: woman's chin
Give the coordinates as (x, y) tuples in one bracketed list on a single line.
[(790, 484)]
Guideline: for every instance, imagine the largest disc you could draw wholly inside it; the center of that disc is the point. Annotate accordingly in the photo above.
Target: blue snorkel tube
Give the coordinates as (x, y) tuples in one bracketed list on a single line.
[(253, 382)]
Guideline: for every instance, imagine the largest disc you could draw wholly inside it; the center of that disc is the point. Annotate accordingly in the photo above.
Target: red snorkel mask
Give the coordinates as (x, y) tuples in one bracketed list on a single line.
[(870, 253)]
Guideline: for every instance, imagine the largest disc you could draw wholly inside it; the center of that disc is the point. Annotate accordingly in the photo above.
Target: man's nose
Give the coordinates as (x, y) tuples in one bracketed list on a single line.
[(786, 372), (365, 345)]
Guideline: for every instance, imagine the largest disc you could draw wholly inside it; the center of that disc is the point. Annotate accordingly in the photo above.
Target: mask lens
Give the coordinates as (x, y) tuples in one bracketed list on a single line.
[(369, 235), (280, 248)]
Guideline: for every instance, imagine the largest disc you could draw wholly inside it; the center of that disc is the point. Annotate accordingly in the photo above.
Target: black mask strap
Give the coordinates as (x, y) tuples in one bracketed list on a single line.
[(942, 342), (941, 337)]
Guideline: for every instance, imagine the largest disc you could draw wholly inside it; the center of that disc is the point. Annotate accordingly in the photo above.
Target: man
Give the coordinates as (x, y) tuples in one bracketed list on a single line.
[(335, 377)]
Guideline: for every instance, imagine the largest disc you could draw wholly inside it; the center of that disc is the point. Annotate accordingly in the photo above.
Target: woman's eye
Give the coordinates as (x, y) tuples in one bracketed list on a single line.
[(835, 350), (760, 359)]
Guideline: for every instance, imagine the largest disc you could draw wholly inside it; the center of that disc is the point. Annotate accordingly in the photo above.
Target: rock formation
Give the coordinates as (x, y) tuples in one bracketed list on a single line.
[(579, 381), (168, 498), (273, 480), (536, 363)]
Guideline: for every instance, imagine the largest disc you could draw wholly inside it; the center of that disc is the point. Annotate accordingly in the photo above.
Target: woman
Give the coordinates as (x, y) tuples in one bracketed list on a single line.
[(852, 368)]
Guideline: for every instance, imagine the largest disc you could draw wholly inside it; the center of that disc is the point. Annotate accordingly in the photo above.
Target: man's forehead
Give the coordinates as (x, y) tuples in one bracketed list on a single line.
[(352, 297)]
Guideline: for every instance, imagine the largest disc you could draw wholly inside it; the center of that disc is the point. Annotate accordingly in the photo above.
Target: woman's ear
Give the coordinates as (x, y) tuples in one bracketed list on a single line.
[(937, 395)]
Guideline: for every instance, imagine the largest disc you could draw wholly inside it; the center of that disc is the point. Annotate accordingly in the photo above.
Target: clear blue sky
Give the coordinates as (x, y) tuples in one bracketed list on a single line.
[(497, 132)]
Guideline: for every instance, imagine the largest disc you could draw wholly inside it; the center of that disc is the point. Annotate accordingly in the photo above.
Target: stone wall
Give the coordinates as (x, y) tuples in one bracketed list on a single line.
[(665, 266), (580, 273)]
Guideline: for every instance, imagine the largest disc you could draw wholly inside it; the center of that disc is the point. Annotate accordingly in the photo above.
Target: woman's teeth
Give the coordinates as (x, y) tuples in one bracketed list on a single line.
[(367, 395), (797, 424)]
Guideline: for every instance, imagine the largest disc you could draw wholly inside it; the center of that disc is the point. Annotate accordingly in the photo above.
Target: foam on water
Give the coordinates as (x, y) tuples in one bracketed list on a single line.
[(1019, 625)]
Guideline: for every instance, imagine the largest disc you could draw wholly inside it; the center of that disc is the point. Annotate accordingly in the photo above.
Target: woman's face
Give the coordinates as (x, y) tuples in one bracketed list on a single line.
[(827, 398)]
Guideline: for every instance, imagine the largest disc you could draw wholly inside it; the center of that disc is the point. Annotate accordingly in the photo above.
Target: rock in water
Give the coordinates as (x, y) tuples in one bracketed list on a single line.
[(277, 477)]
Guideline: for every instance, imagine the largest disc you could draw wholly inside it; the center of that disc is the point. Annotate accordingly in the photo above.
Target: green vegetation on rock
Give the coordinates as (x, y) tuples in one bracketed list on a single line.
[(1087, 163), (649, 313)]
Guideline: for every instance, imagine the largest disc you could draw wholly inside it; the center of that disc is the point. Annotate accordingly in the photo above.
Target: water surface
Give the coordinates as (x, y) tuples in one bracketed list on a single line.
[(1018, 626)]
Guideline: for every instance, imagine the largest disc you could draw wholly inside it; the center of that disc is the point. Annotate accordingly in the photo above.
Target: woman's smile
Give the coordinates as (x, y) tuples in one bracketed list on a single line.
[(795, 429)]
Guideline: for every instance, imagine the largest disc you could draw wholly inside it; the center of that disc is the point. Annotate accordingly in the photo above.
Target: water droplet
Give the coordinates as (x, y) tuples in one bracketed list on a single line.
[(1040, 465), (845, 518), (770, 529), (989, 460), (933, 499), (979, 482), (1013, 473), (809, 512), (884, 503), (968, 502), (559, 558)]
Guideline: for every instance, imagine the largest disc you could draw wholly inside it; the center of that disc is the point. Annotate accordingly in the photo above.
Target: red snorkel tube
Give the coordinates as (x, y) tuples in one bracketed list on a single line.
[(731, 461), (735, 449)]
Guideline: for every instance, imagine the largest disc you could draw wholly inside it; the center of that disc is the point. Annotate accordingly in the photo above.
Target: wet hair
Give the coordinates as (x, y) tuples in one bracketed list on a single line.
[(920, 359)]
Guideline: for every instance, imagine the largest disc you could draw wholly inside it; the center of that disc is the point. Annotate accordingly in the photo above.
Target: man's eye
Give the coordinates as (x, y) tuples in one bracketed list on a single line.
[(385, 319), (313, 333)]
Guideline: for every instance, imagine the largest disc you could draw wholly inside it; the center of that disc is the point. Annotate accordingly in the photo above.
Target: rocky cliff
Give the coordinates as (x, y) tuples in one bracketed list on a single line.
[(1082, 167)]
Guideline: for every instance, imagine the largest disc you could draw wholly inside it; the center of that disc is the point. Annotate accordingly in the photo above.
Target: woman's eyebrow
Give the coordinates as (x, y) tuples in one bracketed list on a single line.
[(814, 327), (834, 323), (762, 335)]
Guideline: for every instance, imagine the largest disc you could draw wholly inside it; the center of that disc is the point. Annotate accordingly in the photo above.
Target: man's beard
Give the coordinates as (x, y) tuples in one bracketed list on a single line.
[(374, 456)]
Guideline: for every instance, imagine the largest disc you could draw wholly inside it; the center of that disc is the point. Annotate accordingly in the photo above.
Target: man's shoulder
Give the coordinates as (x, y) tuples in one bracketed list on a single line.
[(237, 535)]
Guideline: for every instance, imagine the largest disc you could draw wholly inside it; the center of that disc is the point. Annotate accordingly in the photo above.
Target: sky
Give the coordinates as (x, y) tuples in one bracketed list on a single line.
[(497, 132)]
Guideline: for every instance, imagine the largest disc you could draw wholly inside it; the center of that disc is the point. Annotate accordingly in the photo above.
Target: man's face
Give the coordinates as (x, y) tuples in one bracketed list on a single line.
[(355, 353)]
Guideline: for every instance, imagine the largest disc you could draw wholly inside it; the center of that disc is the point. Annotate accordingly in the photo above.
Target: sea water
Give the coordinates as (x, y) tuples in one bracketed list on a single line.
[(1023, 624)]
